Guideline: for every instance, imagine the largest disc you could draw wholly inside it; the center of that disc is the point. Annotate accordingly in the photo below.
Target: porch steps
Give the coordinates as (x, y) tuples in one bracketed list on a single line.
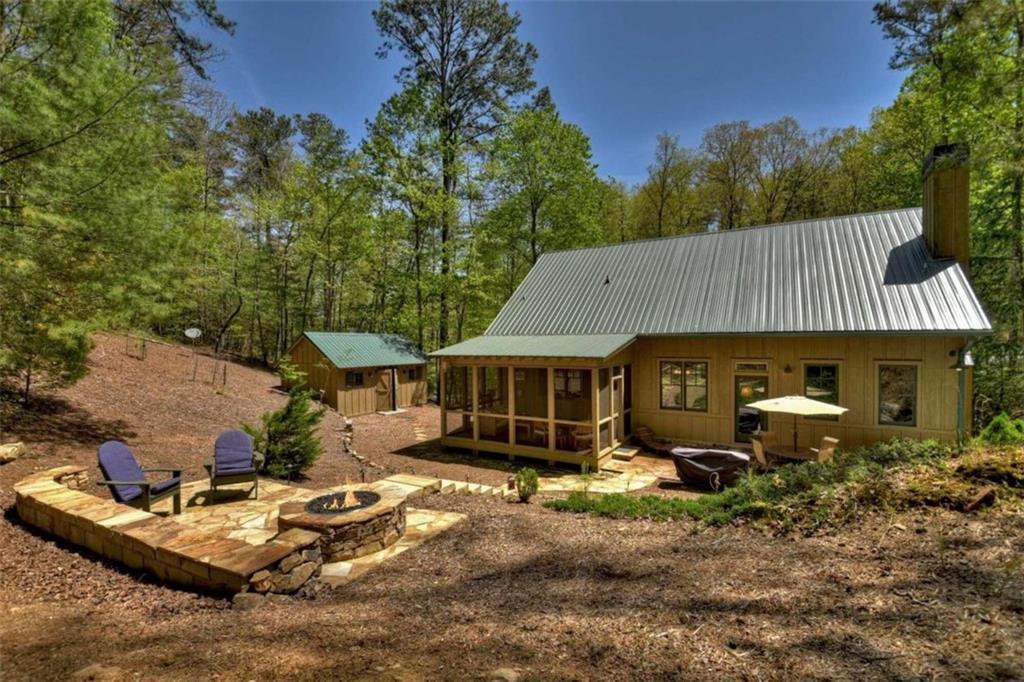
[(625, 453)]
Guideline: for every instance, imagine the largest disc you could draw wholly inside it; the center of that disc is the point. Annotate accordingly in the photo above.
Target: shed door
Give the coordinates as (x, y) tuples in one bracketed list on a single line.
[(385, 391)]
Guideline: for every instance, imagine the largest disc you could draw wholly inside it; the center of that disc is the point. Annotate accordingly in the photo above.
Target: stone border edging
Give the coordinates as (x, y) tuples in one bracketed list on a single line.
[(53, 501)]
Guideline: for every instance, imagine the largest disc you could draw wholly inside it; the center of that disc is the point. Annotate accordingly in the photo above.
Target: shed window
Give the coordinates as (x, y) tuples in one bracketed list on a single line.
[(897, 395), (821, 382), (353, 379), (413, 373)]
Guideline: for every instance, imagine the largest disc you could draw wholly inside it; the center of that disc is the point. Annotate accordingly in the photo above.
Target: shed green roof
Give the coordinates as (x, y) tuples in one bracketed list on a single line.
[(348, 350), (597, 346)]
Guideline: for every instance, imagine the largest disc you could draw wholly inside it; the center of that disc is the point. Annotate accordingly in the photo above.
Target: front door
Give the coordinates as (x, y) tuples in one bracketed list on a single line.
[(385, 401), (749, 420)]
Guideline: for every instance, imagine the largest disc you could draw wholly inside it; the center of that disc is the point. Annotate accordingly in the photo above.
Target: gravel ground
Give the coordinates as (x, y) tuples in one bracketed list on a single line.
[(553, 596)]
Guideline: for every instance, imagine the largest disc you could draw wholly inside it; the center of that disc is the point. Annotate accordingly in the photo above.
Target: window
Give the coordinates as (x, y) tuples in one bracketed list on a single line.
[(696, 386), (684, 385), (413, 373), (353, 379), (897, 395), (671, 385), (752, 367), (821, 382)]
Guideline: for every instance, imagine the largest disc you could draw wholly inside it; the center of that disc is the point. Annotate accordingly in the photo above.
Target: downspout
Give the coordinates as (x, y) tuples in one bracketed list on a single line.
[(963, 363)]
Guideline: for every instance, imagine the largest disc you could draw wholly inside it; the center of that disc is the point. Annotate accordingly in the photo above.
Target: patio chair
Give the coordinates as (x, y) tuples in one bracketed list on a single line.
[(757, 443), (127, 480), (659, 446), (234, 461), (827, 449)]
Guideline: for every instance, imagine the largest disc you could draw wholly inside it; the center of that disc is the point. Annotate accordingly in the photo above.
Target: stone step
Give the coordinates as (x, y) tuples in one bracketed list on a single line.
[(427, 484), (625, 453)]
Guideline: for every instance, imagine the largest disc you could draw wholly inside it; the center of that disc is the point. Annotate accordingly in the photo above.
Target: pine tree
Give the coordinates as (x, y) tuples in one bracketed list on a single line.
[(288, 438)]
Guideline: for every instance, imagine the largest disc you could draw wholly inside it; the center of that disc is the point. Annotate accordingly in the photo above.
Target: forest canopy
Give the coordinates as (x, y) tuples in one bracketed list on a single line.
[(133, 196)]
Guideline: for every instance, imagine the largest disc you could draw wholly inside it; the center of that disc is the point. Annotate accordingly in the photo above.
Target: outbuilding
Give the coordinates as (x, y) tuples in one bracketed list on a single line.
[(357, 373)]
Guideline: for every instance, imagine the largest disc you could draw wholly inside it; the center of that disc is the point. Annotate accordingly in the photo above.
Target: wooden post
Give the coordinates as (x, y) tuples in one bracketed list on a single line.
[(473, 403), (551, 409), (442, 366), (595, 414), (510, 383)]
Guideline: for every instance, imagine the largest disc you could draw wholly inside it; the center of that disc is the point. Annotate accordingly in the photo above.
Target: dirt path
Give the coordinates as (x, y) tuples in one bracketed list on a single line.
[(554, 596)]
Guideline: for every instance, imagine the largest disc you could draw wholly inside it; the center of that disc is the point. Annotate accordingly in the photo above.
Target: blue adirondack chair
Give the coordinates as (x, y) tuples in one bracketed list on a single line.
[(127, 480), (234, 461)]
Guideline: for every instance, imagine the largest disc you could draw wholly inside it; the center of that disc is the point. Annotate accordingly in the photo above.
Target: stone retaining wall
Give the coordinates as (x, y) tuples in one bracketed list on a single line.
[(53, 501)]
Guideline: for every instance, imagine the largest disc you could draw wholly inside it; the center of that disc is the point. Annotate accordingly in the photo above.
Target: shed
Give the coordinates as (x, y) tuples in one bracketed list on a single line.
[(357, 373)]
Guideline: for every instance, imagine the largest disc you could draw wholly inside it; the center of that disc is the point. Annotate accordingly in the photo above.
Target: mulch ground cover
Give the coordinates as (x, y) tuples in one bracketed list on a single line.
[(549, 595)]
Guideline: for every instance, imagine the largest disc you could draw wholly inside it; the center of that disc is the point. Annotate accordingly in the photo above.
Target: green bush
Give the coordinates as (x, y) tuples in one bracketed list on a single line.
[(1003, 430), (527, 483), (805, 493), (287, 437)]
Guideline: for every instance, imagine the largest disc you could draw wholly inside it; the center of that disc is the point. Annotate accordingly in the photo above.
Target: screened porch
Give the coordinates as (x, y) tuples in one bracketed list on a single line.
[(556, 411)]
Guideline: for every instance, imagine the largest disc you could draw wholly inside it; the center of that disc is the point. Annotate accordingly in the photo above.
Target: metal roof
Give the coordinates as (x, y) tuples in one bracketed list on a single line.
[(559, 346), (858, 274), (350, 349)]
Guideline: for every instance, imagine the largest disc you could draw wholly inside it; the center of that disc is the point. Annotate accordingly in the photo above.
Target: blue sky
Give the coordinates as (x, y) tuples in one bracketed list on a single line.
[(622, 71)]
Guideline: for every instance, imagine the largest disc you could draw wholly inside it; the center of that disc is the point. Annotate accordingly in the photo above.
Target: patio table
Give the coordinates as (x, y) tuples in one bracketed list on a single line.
[(789, 452)]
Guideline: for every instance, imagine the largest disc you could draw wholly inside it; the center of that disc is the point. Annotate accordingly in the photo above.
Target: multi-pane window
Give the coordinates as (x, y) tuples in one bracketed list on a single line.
[(684, 385), (897, 395), (413, 373), (671, 385), (695, 386), (821, 382), (353, 379)]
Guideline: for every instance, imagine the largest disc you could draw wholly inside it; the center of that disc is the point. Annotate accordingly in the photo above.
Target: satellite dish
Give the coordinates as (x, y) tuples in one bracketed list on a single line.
[(193, 333)]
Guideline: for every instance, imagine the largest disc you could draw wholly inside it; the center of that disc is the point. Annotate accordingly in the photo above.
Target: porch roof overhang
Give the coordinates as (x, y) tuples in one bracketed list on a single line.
[(589, 346)]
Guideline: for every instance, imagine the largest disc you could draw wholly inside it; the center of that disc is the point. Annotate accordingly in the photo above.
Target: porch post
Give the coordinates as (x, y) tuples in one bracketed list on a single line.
[(473, 404), (551, 408), (595, 415), (511, 387), (442, 365)]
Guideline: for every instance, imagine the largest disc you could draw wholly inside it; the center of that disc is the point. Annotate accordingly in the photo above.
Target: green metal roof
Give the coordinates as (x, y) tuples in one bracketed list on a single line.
[(542, 346), (861, 274), (348, 349)]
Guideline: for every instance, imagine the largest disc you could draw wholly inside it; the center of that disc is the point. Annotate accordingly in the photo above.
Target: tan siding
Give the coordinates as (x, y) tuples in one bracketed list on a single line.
[(858, 358), (320, 373), (412, 392), (323, 377)]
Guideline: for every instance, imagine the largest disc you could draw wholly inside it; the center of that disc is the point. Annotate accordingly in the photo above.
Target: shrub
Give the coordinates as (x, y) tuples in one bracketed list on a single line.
[(805, 494), (1003, 431), (527, 483), (287, 437)]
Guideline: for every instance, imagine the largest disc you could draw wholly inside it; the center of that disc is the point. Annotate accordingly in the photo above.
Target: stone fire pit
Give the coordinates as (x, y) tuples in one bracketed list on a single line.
[(346, 533)]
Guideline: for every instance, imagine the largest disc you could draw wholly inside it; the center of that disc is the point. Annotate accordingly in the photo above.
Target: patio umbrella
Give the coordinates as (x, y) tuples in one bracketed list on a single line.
[(797, 405)]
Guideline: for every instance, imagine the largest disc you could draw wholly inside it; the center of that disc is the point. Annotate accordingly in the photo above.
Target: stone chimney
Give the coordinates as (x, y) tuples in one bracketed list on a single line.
[(945, 209)]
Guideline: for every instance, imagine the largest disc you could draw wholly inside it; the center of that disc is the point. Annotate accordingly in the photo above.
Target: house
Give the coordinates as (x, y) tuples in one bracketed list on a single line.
[(874, 312), (361, 373)]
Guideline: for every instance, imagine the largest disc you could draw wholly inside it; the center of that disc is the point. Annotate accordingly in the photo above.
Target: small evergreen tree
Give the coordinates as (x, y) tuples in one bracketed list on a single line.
[(287, 437)]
